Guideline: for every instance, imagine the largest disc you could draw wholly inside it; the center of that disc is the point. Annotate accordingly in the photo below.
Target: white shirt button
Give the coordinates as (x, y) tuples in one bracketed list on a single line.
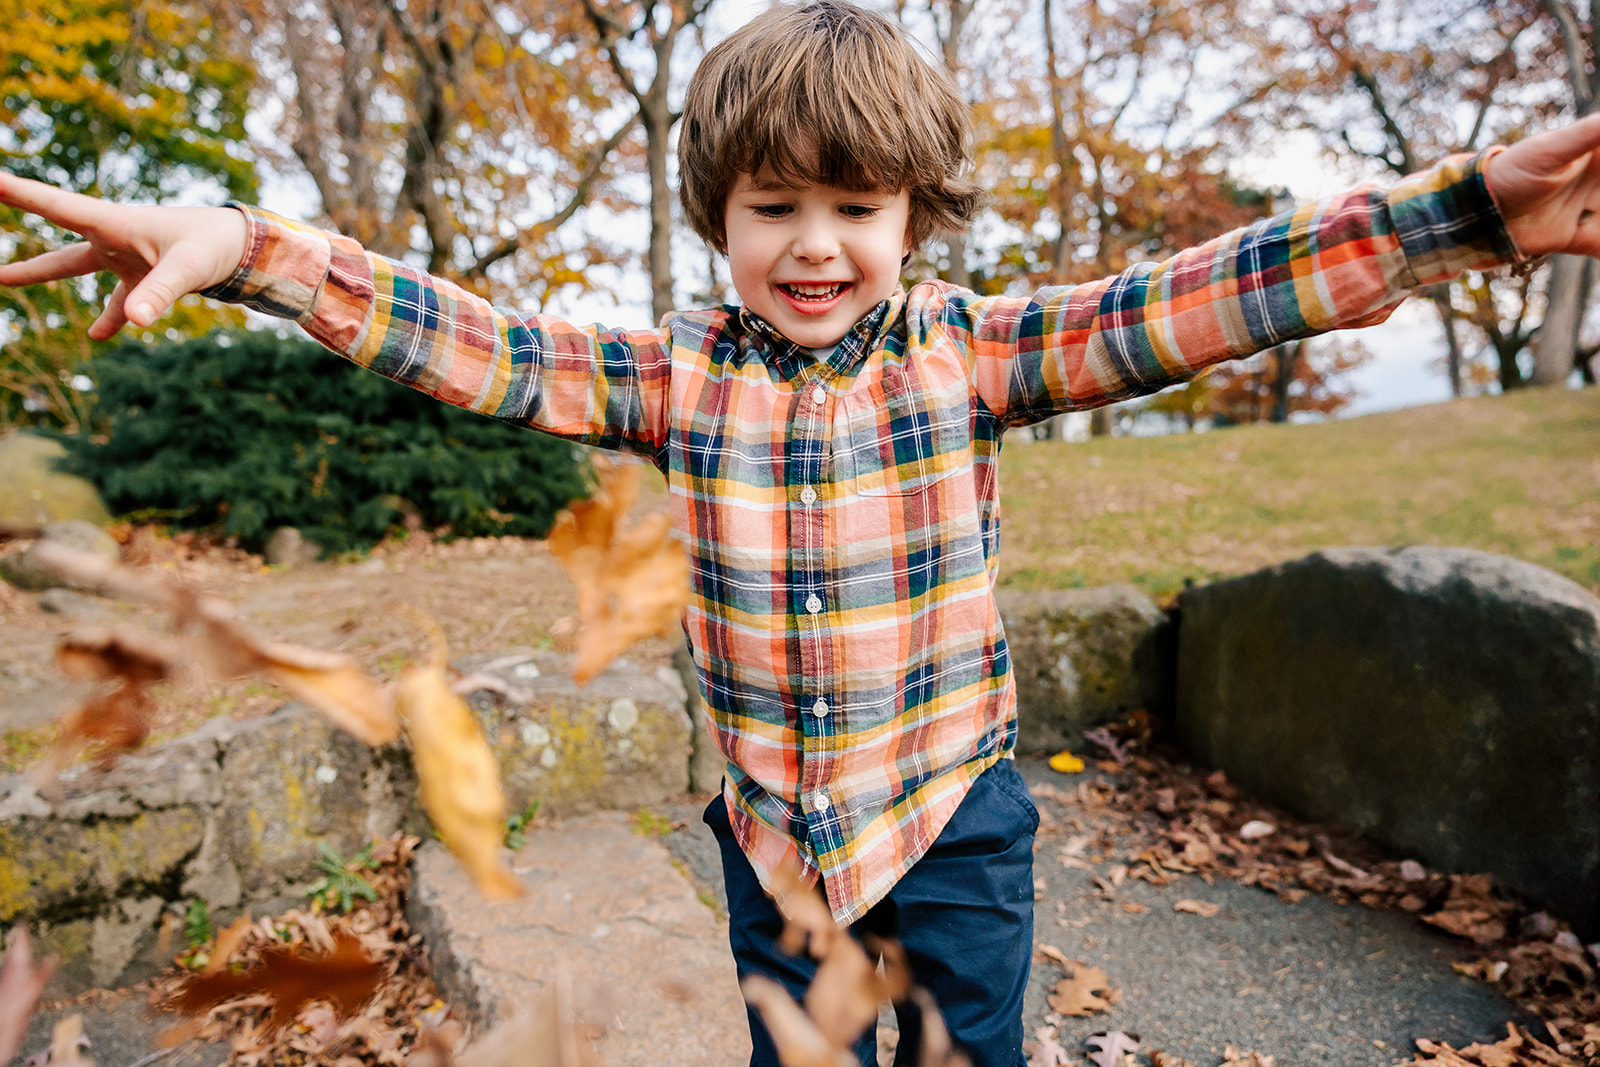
[(820, 708), (818, 394), (813, 603), (808, 495), (820, 801)]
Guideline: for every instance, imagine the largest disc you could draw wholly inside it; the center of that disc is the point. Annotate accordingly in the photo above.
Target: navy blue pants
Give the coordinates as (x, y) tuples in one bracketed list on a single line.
[(964, 914)]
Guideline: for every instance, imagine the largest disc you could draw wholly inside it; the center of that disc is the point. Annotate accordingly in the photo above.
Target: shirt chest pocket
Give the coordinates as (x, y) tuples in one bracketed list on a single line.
[(892, 440)]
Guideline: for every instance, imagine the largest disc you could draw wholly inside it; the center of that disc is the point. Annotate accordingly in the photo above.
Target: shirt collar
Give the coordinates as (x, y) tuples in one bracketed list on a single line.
[(791, 358)]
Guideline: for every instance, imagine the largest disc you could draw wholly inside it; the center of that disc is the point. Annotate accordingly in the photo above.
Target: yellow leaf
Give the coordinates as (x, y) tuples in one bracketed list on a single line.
[(460, 782), (1065, 762)]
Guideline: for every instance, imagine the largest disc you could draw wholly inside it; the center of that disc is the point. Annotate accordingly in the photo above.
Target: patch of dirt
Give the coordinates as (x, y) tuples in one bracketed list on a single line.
[(489, 595)]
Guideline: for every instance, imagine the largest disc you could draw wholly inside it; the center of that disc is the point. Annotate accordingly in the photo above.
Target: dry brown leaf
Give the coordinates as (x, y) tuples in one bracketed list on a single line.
[(457, 773), (1045, 1050), (1231, 1055), (21, 983), (1198, 907), (345, 977), (228, 941), (1166, 1059), (329, 682), (631, 583), (1083, 992), (844, 994), (799, 1041), (116, 717), (1113, 1049)]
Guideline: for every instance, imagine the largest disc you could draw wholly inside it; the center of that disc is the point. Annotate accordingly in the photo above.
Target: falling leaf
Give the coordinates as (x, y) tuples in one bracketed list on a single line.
[(1112, 1049), (116, 717), (1066, 763), (209, 635), (1085, 991), (1198, 907), (799, 1041), (345, 977), (330, 683), (1256, 829), (632, 582), (459, 780), (21, 983)]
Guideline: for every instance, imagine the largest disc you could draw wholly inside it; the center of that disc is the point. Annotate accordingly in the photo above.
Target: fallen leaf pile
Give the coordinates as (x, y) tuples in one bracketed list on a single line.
[(632, 583), (302, 987), (1156, 819)]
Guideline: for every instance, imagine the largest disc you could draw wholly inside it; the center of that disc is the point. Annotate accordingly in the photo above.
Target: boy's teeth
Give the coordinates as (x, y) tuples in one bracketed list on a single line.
[(815, 292)]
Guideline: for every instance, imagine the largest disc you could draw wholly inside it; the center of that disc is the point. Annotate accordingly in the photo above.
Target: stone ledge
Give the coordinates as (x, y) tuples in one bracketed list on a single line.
[(231, 813), (605, 910)]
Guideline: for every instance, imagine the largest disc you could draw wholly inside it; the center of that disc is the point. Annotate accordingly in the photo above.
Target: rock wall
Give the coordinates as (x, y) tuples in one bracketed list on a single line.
[(231, 813), (1443, 701), (1083, 657)]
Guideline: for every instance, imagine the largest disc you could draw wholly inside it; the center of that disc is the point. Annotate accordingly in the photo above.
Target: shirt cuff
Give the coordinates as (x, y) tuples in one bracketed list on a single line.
[(284, 267), (1447, 221)]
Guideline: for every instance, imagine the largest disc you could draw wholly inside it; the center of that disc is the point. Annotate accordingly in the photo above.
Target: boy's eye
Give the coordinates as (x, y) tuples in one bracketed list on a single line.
[(771, 211), (858, 211)]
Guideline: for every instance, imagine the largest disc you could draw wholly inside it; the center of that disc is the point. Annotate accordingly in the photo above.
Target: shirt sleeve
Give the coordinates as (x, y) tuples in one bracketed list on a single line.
[(1343, 262), (586, 383)]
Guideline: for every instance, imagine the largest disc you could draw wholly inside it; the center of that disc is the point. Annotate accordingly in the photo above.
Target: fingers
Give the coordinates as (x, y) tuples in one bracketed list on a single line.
[(113, 317), (175, 274), (72, 211), (67, 262), (1555, 149)]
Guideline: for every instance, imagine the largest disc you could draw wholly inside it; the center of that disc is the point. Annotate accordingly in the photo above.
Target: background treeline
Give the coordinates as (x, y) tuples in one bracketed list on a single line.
[(513, 146)]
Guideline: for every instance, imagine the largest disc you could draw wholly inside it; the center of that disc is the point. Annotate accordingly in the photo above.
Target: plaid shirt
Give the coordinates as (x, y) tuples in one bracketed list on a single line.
[(843, 516)]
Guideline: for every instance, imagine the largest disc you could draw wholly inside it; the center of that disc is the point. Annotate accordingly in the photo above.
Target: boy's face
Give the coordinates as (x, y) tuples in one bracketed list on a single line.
[(812, 260)]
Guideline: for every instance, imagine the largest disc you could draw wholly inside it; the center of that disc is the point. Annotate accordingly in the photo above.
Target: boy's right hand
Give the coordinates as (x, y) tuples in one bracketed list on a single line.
[(157, 253)]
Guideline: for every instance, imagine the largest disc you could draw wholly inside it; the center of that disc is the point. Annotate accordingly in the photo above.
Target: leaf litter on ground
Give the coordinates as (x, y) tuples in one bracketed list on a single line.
[(1158, 819)]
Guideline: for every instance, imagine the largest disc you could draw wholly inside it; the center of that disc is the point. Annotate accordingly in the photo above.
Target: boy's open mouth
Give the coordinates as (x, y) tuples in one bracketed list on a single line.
[(814, 294)]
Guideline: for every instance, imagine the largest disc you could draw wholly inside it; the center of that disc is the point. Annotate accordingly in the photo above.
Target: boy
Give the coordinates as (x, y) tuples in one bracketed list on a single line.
[(830, 446)]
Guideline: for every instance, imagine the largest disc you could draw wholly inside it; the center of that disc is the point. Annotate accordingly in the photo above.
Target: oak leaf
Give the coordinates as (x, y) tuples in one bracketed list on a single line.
[(1113, 1049), (457, 773), (631, 583), (1083, 992), (1045, 1050)]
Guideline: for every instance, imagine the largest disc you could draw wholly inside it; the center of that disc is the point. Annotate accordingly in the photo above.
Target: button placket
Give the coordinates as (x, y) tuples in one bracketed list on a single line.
[(810, 447)]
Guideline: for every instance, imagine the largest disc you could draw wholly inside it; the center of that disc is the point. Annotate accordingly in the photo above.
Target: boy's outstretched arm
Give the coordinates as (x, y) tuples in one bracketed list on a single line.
[(157, 253), (1548, 190)]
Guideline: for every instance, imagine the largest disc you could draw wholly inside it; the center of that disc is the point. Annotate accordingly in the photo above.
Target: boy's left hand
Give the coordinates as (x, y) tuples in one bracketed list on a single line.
[(1548, 190)]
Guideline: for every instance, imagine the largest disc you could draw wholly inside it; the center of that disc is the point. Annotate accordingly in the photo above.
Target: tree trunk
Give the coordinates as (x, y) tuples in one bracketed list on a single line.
[(1568, 295), (658, 129), (1440, 297), (1101, 422)]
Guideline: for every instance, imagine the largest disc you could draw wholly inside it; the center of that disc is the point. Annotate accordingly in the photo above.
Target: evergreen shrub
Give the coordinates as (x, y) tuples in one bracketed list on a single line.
[(248, 431)]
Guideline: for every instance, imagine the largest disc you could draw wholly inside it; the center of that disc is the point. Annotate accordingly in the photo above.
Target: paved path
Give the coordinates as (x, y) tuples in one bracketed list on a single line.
[(634, 920)]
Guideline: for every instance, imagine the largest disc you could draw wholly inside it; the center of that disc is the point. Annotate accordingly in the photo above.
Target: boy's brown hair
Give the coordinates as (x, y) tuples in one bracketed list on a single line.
[(830, 93)]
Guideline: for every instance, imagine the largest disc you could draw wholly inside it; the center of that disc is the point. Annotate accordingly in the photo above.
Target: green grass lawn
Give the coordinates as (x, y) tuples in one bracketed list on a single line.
[(1517, 475)]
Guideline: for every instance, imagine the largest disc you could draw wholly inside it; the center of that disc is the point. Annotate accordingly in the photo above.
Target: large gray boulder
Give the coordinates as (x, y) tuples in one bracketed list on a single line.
[(1446, 702), (33, 492), (1082, 657)]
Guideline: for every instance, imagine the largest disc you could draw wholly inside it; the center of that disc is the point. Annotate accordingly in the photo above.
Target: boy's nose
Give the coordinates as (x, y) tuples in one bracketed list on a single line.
[(815, 242)]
